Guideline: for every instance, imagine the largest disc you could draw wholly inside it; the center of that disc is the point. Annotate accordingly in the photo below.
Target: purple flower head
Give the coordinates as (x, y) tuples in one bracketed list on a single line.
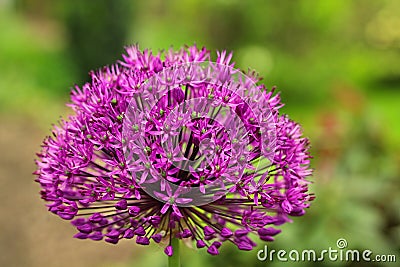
[(179, 147)]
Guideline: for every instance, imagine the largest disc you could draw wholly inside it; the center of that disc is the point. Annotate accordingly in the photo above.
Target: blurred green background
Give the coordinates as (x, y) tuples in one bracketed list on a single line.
[(336, 63)]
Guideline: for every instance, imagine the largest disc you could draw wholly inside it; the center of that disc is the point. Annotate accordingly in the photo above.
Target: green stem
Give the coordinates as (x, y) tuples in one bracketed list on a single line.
[(174, 260)]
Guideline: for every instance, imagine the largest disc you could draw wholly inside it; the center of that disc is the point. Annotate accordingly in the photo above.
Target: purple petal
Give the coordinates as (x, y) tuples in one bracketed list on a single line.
[(165, 208), (169, 251), (177, 211), (183, 200), (96, 217), (128, 234), (113, 233), (267, 238), (200, 243), (81, 236), (208, 230), (155, 221), (85, 228), (112, 240), (157, 238), (241, 232), (143, 177), (226, 232), (286, 206), (79, 221), (217, 244), (133, 210), (121, 205), (96, 236), (161, 196), (139, 231), (186, 233), (213, 250), (244, 246), (202, 188), (268, 231), (142, 240)]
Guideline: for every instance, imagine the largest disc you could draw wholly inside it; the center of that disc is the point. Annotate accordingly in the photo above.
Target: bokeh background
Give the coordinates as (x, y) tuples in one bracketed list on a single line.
[(336, 63)]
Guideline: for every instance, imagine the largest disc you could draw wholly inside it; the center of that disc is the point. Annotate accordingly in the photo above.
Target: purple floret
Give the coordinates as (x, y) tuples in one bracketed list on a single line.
[(114, 185)]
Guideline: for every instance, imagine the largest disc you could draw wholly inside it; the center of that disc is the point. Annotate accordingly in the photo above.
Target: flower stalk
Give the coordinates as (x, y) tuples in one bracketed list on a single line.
[(174, 260)]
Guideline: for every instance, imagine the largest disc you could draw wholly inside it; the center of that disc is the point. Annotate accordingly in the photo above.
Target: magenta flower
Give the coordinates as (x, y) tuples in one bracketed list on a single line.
[(175, 146)]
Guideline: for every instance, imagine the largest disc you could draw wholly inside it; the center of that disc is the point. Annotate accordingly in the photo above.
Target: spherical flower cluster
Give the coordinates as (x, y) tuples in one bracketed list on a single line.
[(174, 145)]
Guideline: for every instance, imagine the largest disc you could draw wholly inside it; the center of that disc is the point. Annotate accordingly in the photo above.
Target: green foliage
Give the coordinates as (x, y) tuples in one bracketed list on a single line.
[(96, 32)]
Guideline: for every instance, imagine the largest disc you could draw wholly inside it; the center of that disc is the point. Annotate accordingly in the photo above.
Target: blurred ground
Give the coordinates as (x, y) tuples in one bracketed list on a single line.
[(336, 63), (25, 223)]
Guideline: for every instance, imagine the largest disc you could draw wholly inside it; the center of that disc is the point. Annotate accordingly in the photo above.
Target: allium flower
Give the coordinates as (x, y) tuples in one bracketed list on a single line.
[(175, 146)]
